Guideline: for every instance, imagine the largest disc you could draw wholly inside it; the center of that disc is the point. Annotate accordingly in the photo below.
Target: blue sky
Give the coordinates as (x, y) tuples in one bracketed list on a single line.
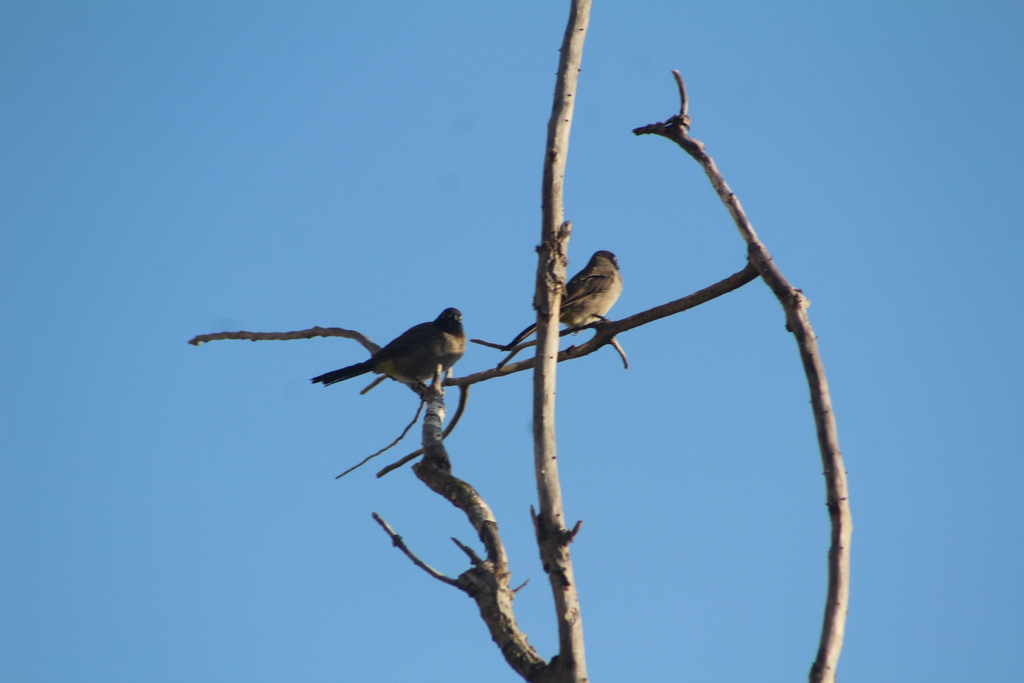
[(170, 513)]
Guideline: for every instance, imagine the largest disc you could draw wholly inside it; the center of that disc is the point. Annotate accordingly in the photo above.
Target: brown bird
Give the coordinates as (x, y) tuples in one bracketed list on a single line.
[(414, 355), (588, 296)]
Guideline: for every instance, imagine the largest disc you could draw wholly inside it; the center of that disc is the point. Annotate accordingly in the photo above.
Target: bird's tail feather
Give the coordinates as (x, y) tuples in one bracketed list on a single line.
[(520, 337), (335, 376)]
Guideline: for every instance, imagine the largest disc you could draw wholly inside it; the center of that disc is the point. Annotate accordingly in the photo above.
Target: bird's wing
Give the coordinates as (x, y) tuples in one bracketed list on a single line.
[(405, 343), (582, 287)]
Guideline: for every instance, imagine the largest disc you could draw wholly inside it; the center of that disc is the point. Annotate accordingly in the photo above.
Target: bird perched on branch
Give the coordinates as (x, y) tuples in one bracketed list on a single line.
[(414, 355), (588, 295)]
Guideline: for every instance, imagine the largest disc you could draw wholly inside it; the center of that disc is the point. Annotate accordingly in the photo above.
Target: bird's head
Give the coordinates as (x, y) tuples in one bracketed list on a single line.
[(605, 256), (450, 320)]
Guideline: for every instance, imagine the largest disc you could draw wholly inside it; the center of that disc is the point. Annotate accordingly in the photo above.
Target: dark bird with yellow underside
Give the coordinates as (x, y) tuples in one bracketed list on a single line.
[(414, 355), (588, 295)]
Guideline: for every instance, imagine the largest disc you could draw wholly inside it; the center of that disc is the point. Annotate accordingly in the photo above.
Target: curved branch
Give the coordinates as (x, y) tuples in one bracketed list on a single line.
[(684, 104), (285, 336), (622, 352), (795, 304), (487, 581)]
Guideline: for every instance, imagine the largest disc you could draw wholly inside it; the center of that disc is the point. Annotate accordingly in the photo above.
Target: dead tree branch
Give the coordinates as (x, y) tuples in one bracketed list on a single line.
[(487, 581), (514, 351), (285, 336), (606, 331), (397, 541), (552, 537), (401, 436), (795, 305), (463, 397)]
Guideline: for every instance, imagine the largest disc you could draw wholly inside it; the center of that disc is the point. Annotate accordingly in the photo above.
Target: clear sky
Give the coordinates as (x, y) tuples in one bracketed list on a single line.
[(170, 514)]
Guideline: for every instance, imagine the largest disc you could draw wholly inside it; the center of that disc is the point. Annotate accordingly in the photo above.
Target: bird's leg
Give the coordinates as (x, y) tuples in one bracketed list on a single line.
[(419, 387)]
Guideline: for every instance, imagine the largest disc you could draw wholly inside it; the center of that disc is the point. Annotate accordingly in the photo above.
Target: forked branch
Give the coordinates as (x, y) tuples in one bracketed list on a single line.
[(487, 581), (463, 398)]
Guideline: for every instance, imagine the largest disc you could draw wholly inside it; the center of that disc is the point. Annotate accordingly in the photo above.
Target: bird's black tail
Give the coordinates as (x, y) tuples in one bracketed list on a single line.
[(335, 376), (520, 337)]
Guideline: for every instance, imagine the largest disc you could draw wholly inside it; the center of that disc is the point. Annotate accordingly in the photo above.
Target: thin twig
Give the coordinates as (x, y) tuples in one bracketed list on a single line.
[(684, 104), (526, 344), (492, 345), (372, 384), (470, 553), (463, 398), (400, 544), (795, 304), (514, 351), (401, 436)]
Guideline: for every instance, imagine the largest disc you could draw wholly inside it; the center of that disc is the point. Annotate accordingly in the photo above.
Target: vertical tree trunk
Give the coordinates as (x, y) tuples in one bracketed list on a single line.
[(552, 536)]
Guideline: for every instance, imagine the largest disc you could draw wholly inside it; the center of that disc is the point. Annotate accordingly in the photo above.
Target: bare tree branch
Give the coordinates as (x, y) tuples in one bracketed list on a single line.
[(397, 541), (571, 663), (514, 351), (401, 436), (795, 304), (487, 581), (285, 336), (493, 345), (606, 331), (463, 398), (371, 385), (470, 553), (684, 105), (622, 352)]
